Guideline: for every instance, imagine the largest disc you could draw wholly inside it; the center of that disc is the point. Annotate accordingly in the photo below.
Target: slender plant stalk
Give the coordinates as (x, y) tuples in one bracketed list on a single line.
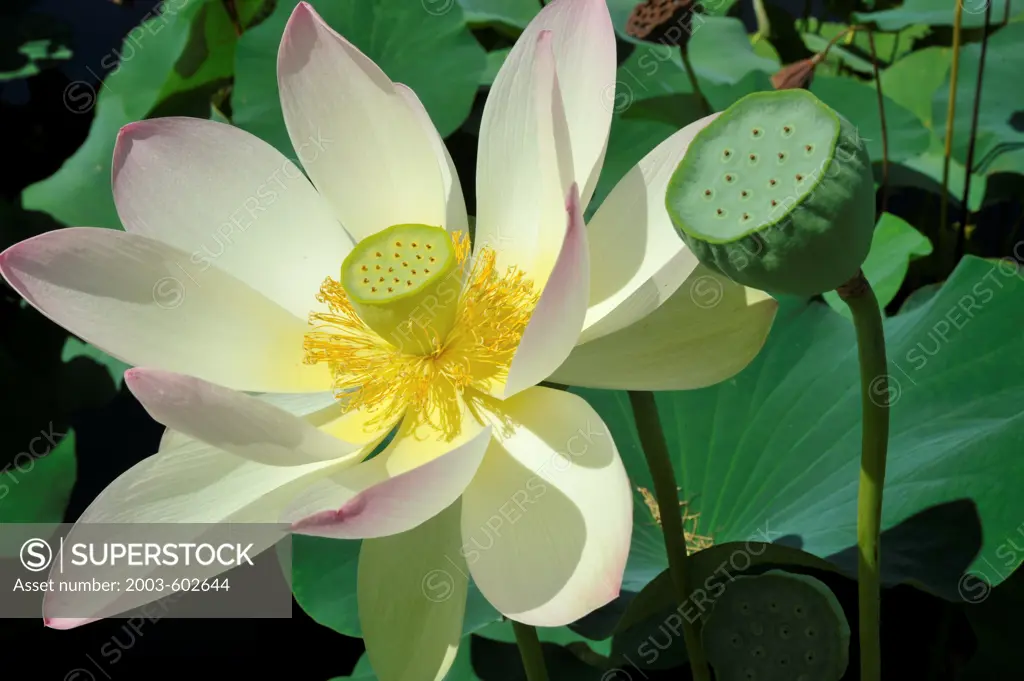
[(692, 75), (875, 399), (961, 236), (764, 27), (823, 55), (885, 130), (1006, 13), (954, 74), (232, 12), (530, 651), (652, 439)]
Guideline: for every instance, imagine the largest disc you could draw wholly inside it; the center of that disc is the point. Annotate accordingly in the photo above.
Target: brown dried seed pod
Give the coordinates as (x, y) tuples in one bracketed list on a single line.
[(669, 22), (795, 75)]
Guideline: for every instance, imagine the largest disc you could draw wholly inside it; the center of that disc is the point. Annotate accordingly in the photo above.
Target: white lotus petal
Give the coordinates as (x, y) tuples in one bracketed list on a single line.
[(142, 302), (636, 256), (370, 156), (227, 198), (546, 522), (707, 332), (412, 591)]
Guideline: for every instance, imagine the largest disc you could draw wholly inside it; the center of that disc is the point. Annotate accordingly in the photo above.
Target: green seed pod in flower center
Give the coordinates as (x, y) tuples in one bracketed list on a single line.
[(404, 283), (777, 194)]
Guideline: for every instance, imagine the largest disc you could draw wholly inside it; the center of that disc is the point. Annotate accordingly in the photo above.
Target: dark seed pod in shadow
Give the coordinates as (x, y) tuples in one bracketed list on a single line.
[(669, 22)]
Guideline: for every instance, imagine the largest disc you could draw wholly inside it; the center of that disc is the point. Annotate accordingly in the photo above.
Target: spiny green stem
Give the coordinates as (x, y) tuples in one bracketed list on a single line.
[(954, 74), (652, 439), (530, 651), (874, 391), (961, 236)]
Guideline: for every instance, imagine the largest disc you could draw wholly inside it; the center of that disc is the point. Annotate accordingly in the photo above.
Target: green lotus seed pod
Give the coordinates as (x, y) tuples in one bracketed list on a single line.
[(777, 627), (777, 194), (404, 282)]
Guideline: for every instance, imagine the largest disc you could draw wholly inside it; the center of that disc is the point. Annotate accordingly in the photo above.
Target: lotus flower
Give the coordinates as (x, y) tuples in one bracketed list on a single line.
[(281, 327)]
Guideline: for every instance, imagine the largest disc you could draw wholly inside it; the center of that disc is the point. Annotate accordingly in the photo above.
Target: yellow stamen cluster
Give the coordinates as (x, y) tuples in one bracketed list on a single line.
[(372, 374), (694, 542)]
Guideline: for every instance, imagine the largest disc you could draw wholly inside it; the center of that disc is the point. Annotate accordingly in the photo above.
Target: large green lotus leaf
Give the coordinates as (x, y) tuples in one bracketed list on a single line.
[(514, 13), (434, 54), (920, 297), (775, 451), (725, 62), (1002, 106), (930, 549), (913, 80), (721, 52), (324, 584), (1006, 162), (893, 245), (721, 97), (889, 46), (925, 172), (649, 71), (79, 193), (36, 484), (209, 55), (494, 61), (938, 13), (858, 103)]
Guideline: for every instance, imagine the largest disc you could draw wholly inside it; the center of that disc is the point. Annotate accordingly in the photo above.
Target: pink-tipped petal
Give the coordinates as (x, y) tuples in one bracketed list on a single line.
[(584, 51), (65, 623), (414, 479), (546, 522), (556, 322), (521, 192), (146, 303), (238, 423), (375, 163), (192, 487), (226, 197)]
